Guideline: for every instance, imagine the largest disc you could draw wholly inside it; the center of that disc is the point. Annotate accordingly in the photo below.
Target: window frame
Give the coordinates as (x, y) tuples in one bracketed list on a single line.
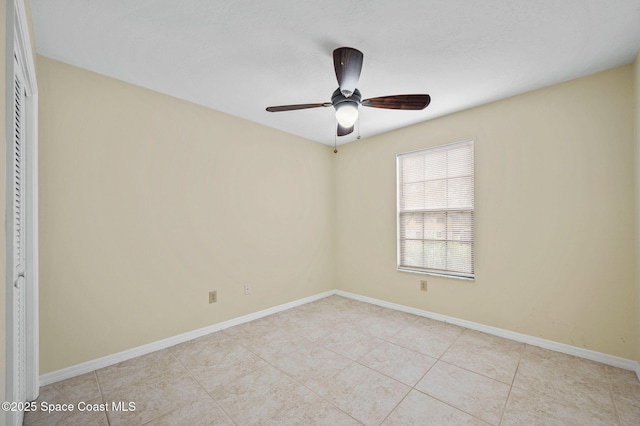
[(399, 213)]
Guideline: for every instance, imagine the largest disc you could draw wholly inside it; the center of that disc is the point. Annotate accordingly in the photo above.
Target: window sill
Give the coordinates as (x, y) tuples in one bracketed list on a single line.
[(436, 274)]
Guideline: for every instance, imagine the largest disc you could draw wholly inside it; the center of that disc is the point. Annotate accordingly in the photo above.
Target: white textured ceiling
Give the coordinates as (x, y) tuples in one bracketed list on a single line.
[(240, 56)]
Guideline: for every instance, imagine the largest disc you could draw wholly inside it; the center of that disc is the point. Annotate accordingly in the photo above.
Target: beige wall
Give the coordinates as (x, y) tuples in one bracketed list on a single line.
[(3, 171), (147, 203), (554, 215)]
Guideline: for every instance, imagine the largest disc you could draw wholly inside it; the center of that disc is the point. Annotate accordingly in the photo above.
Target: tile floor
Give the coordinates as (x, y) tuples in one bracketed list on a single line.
[(337, 361)]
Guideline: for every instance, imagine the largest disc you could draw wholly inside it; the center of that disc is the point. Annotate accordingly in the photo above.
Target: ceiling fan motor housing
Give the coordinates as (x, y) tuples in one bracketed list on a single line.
[(338, 98)]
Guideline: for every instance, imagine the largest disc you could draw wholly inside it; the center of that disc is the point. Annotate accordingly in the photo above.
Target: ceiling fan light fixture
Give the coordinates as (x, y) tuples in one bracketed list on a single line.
[(347, 113)]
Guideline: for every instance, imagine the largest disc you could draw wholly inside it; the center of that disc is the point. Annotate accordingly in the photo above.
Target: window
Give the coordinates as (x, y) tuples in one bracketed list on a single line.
[(435, 210)]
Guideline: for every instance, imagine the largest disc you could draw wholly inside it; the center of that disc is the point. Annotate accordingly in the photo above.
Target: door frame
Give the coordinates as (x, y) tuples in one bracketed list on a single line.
[(19, 44)]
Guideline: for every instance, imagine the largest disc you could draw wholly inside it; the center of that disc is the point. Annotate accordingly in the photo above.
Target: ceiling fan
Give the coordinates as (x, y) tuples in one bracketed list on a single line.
[(347, 63)]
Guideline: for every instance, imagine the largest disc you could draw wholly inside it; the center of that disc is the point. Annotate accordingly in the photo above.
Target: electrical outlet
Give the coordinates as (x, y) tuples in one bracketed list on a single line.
[(213, 296), (247, 289), (423, 285)]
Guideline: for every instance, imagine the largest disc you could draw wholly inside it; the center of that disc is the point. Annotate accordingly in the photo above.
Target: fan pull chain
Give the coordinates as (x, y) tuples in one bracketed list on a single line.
[(335, 149), (358, 130)]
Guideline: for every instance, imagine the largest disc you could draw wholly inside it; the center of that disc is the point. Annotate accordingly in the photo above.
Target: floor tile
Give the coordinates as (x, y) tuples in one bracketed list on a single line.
[(624, 383), (625, 388), (533, 408), (255, 333), (70, 391), (331, 311), (137, 370), (400, 316), (566, 379), (306, 362), (550, 364), (491, 356), (310, 409), (201, 412), (262, 394), (628, 410), (348, 340), (310, 328), (441, 327), (78, 417), (470, 392), (316, 320), (216, 361), (419, 409), (381, 324), (427, 337), (397, 362), (366, 395), (152, 398)]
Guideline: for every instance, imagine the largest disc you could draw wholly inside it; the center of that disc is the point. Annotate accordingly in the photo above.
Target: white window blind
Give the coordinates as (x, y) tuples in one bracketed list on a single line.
[(435, 210)]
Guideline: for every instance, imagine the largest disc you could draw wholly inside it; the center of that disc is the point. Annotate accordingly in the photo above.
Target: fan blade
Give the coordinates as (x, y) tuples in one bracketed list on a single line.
[(348, 63), (343, 131), (410, 102), (294, 107)]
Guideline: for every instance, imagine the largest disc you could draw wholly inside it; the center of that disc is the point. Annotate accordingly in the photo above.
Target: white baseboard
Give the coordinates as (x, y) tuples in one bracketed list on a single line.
[(86, 367), (95, 364), (603, 358)]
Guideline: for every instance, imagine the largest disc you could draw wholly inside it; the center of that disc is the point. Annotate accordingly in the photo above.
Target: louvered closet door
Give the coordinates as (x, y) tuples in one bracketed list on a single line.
[(18, 229)]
